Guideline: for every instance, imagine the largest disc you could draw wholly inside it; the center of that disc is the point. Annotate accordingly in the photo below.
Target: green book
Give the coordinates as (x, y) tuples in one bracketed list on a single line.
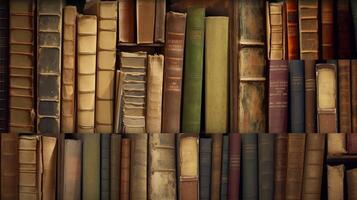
[(249, 167), (193, 72)]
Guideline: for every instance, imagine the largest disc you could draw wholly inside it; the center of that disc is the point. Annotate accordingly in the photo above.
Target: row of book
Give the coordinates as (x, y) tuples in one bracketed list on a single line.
[(175, 166)]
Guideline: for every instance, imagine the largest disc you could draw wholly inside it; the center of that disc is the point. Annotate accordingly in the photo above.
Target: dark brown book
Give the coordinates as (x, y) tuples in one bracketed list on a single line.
[(216, 166), (281, 155), (234, 166), (352, 184), (344, 95), (292, 29), (126, 13), (173, 70), (327, 29), (352, 143), (125, 169), (354, 95), (344, 29), (310, 96), (160, 16), (145, 21), (115, 155), (9, 167)]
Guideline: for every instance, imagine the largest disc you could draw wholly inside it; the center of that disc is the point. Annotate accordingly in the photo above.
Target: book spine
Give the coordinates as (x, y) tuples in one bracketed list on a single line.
[(216, 166), (234, 166), (354, 18), (352, 184), (105, 166), (216, 75), (352, 143), (278, 96), (249, 166), (292, 29), (21, 66), (119, 101), (193, 74), (4, 66), (49, 159), (327, 29), (280, 158), (354, 95), (310, 96), (205, 167), (335, 181), (224, 168), (276, 31), (72, 168), (126, 14), (344, 30), (115, 153), (266, 166), (344, 95), (125, 169), (145, 21), (160, 16), (173, 70), (297, 96)]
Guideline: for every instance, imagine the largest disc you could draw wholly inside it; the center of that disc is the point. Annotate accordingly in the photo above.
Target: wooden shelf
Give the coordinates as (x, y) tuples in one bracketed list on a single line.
[(341, 159), (154, 45)]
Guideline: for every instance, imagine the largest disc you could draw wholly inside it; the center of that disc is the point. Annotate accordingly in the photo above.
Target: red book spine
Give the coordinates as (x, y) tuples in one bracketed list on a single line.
[(292, 29), (327, 29)]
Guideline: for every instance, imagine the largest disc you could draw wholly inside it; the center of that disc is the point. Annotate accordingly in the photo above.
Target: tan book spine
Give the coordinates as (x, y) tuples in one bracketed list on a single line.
[(335, 179), (125, 169), (49, 159), (145, 21)]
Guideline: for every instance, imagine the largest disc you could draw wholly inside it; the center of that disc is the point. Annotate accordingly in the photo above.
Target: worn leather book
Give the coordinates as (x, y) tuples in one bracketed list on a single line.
[(145, 21), (216, 166), (344, 96), (326, 98), (249, 166), (295, 166), (105, 166), (216, 75), (115, 155), (49, 57), (224, 168), (310, 96), (276, 31), (188, 165), (173, 71), (327, 29), (234, 158), (125, 169), (335, 179), (351, 184), (72, 167), (49, 159), (309, 29), (86, 72), (336, 143), (313, 166), (297, 96), (280, 167), (354, 95), (344, 29), (154, 93), (91, 166), (21, 66), (251, 59), (68, 114), (193, 73), (205, 167), (354, 18), (352, 143), (160, 16), (9, 167), (266, 165), (278, 96), (292, 29), (126, 26), (119, 102), (162, 166)]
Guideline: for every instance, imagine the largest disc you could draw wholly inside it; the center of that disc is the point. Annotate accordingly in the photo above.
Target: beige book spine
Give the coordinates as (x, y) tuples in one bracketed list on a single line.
[(49, 158), (335, 178), (276, 31)]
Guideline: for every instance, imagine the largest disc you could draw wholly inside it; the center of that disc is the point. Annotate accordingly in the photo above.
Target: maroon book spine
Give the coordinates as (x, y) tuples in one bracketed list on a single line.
[(344, 29), (352, 143), (234, 166)]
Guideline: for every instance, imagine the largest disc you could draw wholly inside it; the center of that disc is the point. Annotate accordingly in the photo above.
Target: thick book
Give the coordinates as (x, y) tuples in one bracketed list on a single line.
[(251, 58), (216, 75), (309, 29), (327, 29), (9, 166), (292, 29), (280, 166), (105, 166), (193, 73), (72, 168), (160, 17), (154, 93), (126, 21), (234, 164), (86, 72), (278, 96), (295, 166), (249, 166), (4, 65), (354, 19), (173, 71), (22, 66), (68, 114), (49, 167), (216, 166), (266, 166), (205, 167), (344, 96), (326, 98), (276, 30), (90, 166), (344, 29), (351, 184), (145, 21), (224, 168), (115, 156), (352, 143), (162, 166), (125, 169), (335, 182), (49, 64), (354, 95), (297, 96), (313, 166), (310, 96)]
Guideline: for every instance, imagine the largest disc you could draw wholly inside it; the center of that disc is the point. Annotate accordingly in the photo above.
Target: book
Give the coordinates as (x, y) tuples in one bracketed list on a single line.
[(234, 165), (9, 166), (22, 66), (313, 166), (327, 29), (68, 114), (295, 165), (125, 169), (105, 175), (72, 167), (326, 98), (224, 168), (353, 5), (310, 96), (278, 96), (249, 166), (292, 29), (160, 16), (154, 93), (173, 71), (216, 74), (344, 96), (49, 167), (280, 167), (297, 96), (266, 165), (351, 183), (309, 29), (145, 21), (335, 179), (4, 66), (352, 143), (276, 30), (115, 158), (49, 47), (216, 166), (86, 72), (119, 101), (336, 143), (251, 56), (344, 29), (354, 95), (193, 73), (126, 21), (205, 167), (162, 166)]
